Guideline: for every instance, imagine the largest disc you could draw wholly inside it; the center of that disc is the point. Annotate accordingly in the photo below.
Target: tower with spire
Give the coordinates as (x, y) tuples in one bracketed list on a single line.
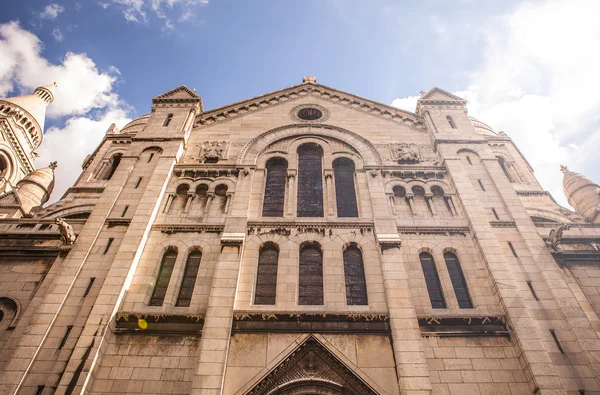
[(22, 120)]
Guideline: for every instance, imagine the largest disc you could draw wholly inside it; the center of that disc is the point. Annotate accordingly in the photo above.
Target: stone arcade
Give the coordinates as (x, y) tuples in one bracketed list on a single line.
[(307, 241)]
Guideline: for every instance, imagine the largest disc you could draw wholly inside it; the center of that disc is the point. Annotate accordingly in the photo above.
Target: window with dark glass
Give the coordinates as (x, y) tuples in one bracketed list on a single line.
[(502, 163), (310, 114), (451, 122), (345, 193), (168, 120), (189, 279), (432, 280), (458, 281), (354, 273), (266, 278), (273, 204), (399, 192), (310, 290), (164, 276), (310, 181), (115, 161)]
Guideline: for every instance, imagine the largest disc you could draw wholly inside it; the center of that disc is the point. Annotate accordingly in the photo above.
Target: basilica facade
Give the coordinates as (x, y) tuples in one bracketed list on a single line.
[(306, 241)]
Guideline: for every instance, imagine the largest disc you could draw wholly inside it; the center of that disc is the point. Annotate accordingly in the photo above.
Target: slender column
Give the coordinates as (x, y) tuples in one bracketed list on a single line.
[(450, 204), (392, 203), (206, 210), (227, 202), (329, 191), (188, 203), (513, 171), (167, 207), (291, 192), (429, 201), (409, 199)]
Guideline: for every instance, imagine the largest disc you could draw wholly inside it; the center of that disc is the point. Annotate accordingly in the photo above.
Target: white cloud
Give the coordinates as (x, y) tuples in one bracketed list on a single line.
[(406, 103), (139, 10), (85, 96), (58, 36), (82, 85), (536, 85), (52, 11)]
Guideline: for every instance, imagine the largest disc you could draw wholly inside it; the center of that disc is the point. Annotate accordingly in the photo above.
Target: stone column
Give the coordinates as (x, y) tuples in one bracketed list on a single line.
[(392, 203), (429, 201), (291, 192), (329, 192), (216, 333), (168, 203), (409, 199), (206, 210), (188, 202)]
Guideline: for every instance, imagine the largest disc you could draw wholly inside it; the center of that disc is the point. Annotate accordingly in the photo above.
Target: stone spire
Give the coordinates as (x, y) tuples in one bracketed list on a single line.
[(34, 190), (582, 193), (36, 103)]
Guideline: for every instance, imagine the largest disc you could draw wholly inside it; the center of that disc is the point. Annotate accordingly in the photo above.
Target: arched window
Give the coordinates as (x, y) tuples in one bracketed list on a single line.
[(458, 281), (273, 204), (310, 181), (189, 279), (354, 273), (182, 193), (164, 276), (266, 278), (310, 290), (115, 161), (345, 193), (451, 122), (502, 163), (399, 192), (432, 280), (221, 194), (3, 166)]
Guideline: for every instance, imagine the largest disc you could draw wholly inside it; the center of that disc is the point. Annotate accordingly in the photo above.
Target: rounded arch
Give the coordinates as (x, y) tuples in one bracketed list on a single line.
[(222, 181), (69, 211), (154, 148), (252, 150), (311, 387), (467, 151), (11, 308), (182, 189)]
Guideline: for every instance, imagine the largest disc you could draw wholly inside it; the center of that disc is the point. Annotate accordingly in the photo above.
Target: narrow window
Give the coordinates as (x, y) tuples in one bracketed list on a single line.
[(266, 278), (512, 249), (345, 193), (65, 337), (458, 281), (124, 211), (189, 279), (530, 285), (164, 276), (168, 120), (502, 163), (150, 157), (432, 280), (310, 290), (495, 214), (273, 204), (558, 345), (139, 181), (469, 160), (110, 241), (40, 389), (310, 181), (115, 161), (354, 273), (481, 185), (451, 122), (89, 287)]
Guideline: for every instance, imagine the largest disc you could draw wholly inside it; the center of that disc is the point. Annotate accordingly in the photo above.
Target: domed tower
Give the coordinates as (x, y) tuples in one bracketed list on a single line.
[(22, 121), (582, 193)]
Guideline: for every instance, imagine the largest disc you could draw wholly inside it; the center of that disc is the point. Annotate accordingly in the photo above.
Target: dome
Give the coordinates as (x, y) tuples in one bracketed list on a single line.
[(136, 125), (35, 189), (482, 128), (582, 193)]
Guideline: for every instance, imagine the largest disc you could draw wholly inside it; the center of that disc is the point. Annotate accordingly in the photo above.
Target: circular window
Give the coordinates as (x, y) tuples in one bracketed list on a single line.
[(310, 114)]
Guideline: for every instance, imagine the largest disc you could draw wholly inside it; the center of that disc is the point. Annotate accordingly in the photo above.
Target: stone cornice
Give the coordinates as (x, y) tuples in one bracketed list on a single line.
[(298, 91), (187, 228), (434, 230)]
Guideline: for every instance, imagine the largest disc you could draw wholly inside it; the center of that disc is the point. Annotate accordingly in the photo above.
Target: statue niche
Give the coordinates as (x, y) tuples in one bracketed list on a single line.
[(213, 151), (406, 153)]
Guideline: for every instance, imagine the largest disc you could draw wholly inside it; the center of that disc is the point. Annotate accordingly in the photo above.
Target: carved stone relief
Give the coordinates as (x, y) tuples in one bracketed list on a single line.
[(213, 151), (405, 153)]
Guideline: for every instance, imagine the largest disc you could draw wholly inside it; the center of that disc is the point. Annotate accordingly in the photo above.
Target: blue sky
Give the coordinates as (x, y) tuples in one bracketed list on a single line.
[(524, 67)]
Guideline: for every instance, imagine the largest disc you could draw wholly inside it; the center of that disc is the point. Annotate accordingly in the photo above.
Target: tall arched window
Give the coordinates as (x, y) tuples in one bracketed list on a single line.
[(266, 278), (432, 280), (354, 273), (164, 276), (310, 290), (273, 204), (115, 161), (502, 163), (310, 181), (189, 279), (458, 281), (345, 193)]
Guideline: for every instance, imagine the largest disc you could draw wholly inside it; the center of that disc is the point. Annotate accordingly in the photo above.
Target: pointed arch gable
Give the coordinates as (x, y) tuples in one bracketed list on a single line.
[(249, 154)]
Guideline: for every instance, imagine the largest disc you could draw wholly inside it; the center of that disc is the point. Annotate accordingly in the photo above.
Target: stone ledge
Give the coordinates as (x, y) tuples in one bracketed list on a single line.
[(163, 324), (463, 326), (250, 322)]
